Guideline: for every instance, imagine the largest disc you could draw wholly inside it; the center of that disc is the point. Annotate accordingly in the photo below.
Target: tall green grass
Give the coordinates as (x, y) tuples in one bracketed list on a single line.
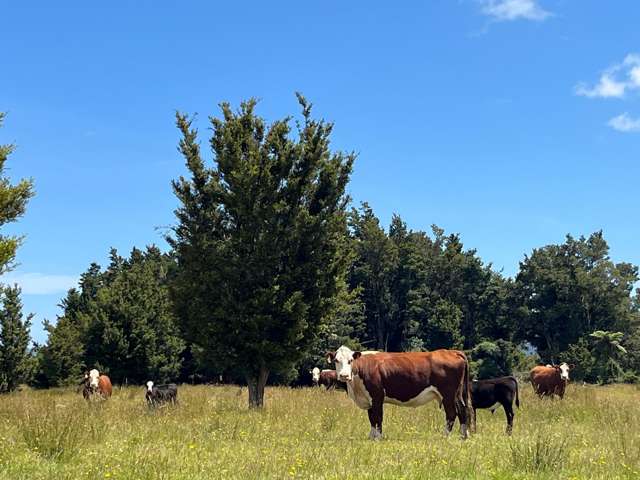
[(544, 453), (312, 433)]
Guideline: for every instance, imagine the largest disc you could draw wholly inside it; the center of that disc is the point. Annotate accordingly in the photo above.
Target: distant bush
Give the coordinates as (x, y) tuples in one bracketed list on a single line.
[(494, 359), (599, 358)]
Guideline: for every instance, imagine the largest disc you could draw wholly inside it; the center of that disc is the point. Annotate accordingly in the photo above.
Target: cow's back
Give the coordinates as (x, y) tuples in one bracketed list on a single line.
[(104, 386), (545, 379), (405, 375), (485, 393), (328, 378)]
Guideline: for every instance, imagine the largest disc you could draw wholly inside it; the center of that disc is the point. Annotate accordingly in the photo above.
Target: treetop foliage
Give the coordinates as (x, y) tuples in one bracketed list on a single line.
[(13, 203)]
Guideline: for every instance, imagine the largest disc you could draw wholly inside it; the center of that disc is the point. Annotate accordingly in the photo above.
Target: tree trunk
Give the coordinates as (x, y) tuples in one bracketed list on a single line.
[(256, 385), (381, 332)]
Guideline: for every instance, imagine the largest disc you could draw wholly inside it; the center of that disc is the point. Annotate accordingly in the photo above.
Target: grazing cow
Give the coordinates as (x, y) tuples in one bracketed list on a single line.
[(550, 380), (159, 394), (96, 384), (493, 392), (408, 379)]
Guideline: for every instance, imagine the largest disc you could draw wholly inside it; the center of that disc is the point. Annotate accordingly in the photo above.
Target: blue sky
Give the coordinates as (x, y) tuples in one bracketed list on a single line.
[(512, 122)]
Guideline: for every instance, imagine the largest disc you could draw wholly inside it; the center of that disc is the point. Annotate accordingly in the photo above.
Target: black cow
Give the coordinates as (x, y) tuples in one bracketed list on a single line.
[(157, 395), (493, 392)]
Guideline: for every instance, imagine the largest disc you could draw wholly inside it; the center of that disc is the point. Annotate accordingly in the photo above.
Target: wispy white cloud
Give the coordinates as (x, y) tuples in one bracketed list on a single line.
[(607, 87), (625, 123), (40, 283), (615, 81), (507, 10)]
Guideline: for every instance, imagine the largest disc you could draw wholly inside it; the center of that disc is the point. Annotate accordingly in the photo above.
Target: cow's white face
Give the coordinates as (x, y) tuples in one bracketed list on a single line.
[(149, 386), (93, 378), (315, 375), (564, 371), (343, 358)]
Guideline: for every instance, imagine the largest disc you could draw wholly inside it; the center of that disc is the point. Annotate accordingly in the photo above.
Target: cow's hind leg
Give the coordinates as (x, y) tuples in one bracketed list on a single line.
[(463, 414), (375, 419), (450, 415), (508, 411)]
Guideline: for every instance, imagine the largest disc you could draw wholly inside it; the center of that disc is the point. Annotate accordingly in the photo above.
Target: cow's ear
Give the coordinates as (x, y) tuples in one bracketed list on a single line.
[(331, 356), (572, 366), (357, 355)]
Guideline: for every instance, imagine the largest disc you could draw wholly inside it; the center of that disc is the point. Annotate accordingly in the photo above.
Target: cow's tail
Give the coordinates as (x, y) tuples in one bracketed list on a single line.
[(465, 392), (517, 388)]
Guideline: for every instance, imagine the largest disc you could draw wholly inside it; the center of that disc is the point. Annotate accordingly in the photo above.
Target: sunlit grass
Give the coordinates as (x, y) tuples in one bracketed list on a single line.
[(312, 433)]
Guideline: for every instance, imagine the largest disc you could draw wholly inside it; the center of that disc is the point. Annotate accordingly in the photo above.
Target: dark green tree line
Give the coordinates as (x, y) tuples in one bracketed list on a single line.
[(120, 320), (268, 270), (422, 292), (568, 291)]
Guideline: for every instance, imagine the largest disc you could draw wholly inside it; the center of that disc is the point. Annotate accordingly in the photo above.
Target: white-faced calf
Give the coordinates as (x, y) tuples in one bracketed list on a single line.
[(95, 385), (159, 394), (328, 378)]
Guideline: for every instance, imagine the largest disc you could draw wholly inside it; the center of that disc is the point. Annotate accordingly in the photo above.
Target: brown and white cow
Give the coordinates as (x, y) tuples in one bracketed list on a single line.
[(550, 380), (328, 378), (408, 379), (96, 384)]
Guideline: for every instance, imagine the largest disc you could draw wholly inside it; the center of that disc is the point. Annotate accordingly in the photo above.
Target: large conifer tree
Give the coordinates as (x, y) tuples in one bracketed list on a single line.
[(260, 239)]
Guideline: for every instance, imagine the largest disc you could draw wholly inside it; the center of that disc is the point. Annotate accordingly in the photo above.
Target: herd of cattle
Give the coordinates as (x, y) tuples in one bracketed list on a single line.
[(96, 385), (409, 379)]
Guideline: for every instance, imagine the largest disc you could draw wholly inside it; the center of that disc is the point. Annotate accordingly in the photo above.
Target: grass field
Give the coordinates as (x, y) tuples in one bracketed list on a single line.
[(310, 433)]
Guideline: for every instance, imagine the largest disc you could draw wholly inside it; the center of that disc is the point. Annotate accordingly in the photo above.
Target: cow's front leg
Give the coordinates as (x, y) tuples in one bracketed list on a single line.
[(375, 419)]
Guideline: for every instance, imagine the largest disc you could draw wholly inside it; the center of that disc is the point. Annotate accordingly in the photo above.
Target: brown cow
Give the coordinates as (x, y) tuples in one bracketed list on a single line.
[(96, 384), (550, 380), (328, 378), (408, 379)]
